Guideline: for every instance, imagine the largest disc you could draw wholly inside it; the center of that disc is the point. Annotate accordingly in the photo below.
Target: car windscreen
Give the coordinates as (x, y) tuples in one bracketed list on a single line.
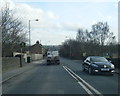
[(98, 59)]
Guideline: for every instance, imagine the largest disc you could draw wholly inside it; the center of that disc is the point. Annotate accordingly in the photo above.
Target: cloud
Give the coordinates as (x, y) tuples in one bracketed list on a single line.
[(70, 26), (49, 26), (46, 29), (47, 19), (52, 15), (25, 13)]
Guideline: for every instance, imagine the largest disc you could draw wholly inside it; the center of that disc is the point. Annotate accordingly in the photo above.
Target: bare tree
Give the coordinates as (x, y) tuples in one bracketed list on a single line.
[(83, 36), (80, 35), (13, 31), (100, 32), (99, 41)]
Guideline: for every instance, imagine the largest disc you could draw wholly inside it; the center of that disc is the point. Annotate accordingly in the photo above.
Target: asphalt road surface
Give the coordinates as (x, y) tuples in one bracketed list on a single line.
[(66, 78)]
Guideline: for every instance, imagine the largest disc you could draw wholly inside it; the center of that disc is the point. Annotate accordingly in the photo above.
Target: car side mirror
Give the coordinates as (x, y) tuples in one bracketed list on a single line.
[(110, 61)]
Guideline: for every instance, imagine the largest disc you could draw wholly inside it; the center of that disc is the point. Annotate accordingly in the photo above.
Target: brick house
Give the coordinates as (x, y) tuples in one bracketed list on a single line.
[(36, 48), (37, 51)]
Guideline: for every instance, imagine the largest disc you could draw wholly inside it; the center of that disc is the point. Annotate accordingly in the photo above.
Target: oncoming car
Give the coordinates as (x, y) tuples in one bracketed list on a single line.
[(98, 64)]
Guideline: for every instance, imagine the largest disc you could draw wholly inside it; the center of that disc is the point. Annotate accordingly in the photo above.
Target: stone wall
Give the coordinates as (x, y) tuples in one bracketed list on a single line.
[(10, 63)]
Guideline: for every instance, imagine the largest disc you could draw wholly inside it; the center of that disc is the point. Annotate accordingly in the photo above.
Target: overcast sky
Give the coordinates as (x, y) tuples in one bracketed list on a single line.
[(58, 20)]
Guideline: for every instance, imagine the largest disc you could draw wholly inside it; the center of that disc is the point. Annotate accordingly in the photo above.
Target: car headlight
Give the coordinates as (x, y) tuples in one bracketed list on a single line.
[(94, 65), (112, 66)]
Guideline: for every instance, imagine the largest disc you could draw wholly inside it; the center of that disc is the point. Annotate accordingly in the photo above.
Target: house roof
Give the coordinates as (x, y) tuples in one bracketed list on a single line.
[(37, 45)]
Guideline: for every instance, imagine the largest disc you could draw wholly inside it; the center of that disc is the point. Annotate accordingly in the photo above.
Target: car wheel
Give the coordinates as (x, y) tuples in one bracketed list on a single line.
[(90, 70)]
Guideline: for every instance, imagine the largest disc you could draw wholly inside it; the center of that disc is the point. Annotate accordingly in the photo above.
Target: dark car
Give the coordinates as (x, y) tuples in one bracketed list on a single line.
[(98, 64)]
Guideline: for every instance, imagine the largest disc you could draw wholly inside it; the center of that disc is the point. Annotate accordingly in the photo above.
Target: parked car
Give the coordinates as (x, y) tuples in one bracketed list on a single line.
[(98, 64)]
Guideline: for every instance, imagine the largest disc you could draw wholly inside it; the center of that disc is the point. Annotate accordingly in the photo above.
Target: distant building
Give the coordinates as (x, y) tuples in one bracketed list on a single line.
[(36, 48), (37, 51)]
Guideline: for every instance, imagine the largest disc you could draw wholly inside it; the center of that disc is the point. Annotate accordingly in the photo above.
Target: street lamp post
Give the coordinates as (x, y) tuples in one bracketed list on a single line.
[(29, 32), (28, 60)]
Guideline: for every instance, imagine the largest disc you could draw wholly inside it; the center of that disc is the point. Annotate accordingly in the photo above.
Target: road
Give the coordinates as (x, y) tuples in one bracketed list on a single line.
[(66, 78)]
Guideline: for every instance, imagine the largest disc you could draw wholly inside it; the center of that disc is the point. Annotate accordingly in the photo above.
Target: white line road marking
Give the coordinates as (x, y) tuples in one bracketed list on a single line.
[(96, 91), (70, 74), (84, 87), (83, 81)]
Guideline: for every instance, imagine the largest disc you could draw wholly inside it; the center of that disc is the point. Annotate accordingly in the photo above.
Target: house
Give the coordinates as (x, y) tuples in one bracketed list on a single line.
[(36, 51)]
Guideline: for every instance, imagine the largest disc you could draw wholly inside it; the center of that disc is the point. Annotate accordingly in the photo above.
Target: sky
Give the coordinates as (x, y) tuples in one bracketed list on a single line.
[(60, 20)]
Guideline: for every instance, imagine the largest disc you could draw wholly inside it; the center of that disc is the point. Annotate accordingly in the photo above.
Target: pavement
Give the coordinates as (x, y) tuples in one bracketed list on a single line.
[(12, 73)]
